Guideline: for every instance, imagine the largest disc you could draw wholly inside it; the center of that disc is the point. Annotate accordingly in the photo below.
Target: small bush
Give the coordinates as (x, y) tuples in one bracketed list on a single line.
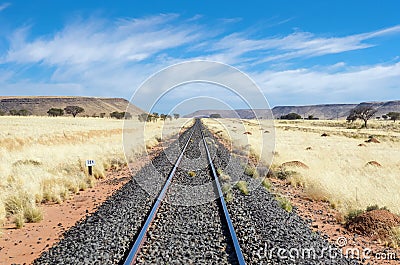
[(376, 207), (394, 237), (225, 188), (251, 171), (16, 203), (225, 177), (372, 207), (267, 184), (352, 214), (228, 197), (19, 220), (33, 214), (192, 173), (242, 187), (284, 203), (222, 176), (283, 174)]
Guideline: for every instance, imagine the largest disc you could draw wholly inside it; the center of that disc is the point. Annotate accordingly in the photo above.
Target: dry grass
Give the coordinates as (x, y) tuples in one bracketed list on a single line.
[(336, 163), (42, 159)]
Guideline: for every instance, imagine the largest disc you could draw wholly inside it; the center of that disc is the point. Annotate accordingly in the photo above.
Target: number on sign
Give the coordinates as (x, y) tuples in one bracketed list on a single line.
[(90, 163)]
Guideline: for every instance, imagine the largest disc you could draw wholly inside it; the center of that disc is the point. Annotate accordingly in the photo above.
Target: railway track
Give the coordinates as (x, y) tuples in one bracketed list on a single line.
[(175, 232), (188, 224)]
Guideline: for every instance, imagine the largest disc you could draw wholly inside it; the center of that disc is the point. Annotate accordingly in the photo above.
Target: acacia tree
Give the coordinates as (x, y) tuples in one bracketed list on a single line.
[(55, 112), (394, 115), (163, 116), (176, 116), (362, 112), (155, 116), (74, 110)]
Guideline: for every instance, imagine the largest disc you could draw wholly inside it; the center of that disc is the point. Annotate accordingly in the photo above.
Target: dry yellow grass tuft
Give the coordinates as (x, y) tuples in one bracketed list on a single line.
[(42, 159), (336, 164)]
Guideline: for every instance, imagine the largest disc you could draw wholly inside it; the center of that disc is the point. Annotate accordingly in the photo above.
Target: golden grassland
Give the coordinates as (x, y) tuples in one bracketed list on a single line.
[(337, 170), (42, 159)]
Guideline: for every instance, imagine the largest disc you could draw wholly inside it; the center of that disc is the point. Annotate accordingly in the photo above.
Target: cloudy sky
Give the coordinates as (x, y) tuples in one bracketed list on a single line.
[(298, 52)]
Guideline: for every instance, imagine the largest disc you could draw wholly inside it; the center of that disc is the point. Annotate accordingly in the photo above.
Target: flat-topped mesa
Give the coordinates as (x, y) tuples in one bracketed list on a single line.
[(93, 106)]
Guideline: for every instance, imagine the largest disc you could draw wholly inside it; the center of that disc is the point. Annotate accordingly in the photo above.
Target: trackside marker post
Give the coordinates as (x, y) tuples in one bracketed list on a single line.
[(90, 164)]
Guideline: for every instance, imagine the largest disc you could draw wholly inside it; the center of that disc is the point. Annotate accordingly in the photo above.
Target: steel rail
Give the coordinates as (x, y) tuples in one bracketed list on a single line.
[(142, 235), (235, 241)]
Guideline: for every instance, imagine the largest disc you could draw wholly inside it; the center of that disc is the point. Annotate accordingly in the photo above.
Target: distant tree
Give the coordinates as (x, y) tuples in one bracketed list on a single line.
[(13, 112), (378, 118), (384, 116), (117, 115), (363, 112), (102, 115), (155, 116), (163, 117), (169, 117), (2, 113), (351, 118), (143, 117), (291, 116), (394, 116), (74, 110), (22, 112), (150, 117), (120, 115), (176, 116), (215, 115), (54, 112), (310, 117)]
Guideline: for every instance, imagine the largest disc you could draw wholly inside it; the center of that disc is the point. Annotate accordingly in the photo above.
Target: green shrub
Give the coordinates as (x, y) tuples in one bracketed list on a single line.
[(225, 188), (242, 187), (222, 176), (284, 203), (372, 207), (285, 174), (352, 214), (228, 197), (376, 207), (267, 184), (251, 171)]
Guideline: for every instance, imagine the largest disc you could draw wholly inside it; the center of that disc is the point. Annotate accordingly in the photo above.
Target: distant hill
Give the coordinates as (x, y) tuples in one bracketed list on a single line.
[(239, 113), (92, 105), (323, 111)]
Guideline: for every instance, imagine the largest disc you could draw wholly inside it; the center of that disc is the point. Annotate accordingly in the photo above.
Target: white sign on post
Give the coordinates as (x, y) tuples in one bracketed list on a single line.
[(90, 163)]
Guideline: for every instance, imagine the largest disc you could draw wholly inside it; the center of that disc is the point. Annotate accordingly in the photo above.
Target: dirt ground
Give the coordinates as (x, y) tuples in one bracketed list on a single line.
[(327, 221), (23, 246)]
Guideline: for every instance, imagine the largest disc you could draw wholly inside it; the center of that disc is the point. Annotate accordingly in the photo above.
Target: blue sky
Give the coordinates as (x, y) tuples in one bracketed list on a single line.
[(298, 52)]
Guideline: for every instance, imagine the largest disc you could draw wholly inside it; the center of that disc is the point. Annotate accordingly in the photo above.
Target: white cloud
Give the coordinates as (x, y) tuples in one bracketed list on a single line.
[(305, 86), (93, 41), (298, 44), (4, 6)]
